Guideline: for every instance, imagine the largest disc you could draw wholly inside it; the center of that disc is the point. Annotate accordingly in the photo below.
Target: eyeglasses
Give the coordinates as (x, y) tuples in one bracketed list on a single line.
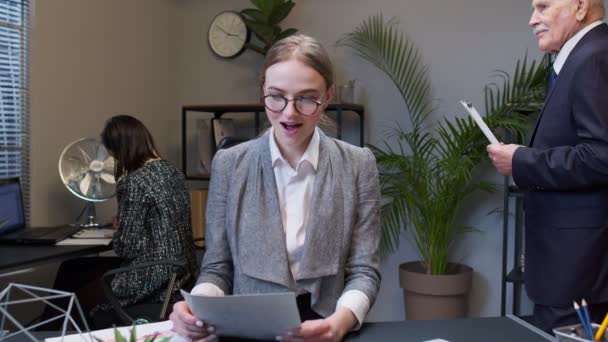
[(304, 105)]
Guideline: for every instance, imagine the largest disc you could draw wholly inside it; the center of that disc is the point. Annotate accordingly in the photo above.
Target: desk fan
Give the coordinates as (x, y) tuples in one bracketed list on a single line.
[(87, 170)]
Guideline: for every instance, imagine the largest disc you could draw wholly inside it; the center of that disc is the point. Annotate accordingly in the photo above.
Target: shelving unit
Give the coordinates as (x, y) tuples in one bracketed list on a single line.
[(514, 276), (256, 109)]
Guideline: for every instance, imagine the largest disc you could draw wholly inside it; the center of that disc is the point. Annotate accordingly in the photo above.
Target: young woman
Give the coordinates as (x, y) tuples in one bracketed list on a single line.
[(152, 224), (293, 210), (153, 221)]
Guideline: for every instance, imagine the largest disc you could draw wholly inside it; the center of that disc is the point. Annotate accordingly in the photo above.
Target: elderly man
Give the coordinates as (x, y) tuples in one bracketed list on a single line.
[(564, 170)]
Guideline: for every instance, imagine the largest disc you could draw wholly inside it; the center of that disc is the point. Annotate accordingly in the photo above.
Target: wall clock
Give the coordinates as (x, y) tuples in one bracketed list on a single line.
[(228, 34)]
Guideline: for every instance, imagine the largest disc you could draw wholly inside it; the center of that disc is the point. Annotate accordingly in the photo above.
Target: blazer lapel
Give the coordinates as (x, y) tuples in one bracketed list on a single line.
[(261, 244), (548, 98), (324, 232)]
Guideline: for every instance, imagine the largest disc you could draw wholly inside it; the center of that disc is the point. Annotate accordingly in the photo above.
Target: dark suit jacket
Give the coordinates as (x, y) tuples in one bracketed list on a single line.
[(565, 175)]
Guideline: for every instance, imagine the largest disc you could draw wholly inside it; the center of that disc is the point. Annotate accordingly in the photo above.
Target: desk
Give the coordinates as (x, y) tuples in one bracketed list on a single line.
[(22, 256), (494, 329)]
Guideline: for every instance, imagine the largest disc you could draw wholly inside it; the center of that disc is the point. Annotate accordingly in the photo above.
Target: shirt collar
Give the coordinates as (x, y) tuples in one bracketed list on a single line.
[(570, 44), (311, 154)]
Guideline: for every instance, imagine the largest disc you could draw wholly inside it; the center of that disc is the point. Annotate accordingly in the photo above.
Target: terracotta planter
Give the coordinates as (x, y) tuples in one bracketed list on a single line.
[(435, 296)]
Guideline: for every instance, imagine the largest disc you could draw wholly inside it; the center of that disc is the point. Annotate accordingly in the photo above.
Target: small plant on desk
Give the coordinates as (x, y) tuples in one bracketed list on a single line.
[(162, 336)]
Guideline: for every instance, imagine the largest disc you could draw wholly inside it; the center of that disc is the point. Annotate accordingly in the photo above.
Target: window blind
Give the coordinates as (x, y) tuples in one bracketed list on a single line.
[(14, 110)]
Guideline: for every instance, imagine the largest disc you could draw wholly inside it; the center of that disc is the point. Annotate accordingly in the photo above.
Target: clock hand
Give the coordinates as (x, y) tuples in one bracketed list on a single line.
[(226, 32)]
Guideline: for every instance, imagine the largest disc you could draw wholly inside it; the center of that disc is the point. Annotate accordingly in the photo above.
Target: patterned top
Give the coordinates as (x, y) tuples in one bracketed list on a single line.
[(154, 224)]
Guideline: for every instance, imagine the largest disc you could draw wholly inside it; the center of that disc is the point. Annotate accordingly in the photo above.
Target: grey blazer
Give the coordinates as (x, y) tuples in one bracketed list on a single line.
[(245, 241)]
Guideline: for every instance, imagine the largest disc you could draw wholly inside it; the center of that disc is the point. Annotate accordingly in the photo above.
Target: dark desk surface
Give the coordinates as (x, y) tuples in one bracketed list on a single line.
[(494, 329), (20, 256)]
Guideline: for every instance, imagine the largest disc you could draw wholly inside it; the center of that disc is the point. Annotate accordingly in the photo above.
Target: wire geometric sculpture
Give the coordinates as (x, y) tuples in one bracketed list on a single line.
[(43, 295)]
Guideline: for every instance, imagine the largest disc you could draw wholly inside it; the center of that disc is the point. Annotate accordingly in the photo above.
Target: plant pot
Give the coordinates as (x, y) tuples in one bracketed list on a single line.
[(429, 296)]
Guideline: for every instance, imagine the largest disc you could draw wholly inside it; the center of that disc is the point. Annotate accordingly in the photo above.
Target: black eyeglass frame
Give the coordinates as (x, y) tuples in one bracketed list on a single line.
[(295, 101)]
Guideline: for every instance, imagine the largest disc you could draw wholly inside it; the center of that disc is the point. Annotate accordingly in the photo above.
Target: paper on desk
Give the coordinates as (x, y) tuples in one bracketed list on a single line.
[(94, 233), (160, 329), (84, 242), (482, 125), (261, 316)]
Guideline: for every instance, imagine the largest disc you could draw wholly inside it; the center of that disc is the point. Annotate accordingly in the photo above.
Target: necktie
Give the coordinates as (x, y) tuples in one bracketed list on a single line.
[(551, 80)]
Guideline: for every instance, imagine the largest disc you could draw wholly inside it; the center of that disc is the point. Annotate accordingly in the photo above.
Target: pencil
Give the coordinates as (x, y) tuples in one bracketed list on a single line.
[(602, 329), (581, 317), (585, 308)]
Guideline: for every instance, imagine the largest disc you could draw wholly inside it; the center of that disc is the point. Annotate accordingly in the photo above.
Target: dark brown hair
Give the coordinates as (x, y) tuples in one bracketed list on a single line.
[(129, 142), (304, 49)]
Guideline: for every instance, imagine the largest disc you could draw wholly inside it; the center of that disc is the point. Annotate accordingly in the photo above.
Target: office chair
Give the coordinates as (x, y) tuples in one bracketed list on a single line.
[(199, 250), (151, 312)]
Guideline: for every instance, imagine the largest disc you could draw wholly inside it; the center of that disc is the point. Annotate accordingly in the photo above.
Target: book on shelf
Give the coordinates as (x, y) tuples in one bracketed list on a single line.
[(198, 206), (203, 135), (222, 128)]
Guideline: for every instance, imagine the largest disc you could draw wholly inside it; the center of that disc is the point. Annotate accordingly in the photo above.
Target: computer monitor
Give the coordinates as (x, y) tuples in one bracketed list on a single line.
[(12, 216)]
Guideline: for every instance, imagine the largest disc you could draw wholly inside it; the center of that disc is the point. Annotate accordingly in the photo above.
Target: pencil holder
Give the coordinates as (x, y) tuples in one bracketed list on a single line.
[(575, 333)]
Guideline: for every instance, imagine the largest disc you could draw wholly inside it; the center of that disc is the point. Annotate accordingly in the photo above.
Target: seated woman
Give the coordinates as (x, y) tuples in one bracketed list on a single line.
[(153, 223), (293, 210)]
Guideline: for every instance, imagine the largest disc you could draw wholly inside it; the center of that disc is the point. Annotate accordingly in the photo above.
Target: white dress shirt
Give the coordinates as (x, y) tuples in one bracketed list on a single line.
[(565, 51), (295, 187)]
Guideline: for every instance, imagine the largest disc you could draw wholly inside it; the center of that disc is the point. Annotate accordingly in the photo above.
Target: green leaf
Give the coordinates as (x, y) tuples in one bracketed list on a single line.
[(118, 337), (286, 33), (255, 15), (264, 32), (133, 333), (280, 12), (275, 32), (265, 6)]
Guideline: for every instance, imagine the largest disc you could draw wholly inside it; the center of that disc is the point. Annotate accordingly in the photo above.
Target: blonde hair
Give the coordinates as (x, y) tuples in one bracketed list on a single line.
[(304, 49)]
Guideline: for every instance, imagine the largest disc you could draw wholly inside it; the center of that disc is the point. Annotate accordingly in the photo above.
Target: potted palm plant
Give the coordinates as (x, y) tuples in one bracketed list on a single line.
[(426, 171)]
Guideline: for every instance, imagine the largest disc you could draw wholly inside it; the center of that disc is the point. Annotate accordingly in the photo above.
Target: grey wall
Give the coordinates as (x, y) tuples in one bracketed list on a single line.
[(92, 59)]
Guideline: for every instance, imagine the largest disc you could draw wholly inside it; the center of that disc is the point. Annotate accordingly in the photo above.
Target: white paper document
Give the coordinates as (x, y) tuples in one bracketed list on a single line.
[(84, 242), (477, 118), (94, 233), (260, 316)]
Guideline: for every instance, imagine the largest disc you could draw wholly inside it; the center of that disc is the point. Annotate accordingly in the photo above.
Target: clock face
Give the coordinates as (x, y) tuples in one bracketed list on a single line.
[(228, 34)]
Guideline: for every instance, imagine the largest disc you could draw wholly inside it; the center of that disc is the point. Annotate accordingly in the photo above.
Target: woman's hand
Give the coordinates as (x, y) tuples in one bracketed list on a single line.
[(330, 329), (115, 223), (188, 326), (114, 227)]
